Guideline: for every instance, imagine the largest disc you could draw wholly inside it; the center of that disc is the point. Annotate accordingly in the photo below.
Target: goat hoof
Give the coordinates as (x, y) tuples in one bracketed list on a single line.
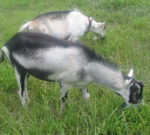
[(123, 105)]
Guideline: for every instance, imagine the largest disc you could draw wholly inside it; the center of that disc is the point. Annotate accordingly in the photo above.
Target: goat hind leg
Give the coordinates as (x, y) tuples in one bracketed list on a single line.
[(21, 79), (64, 94)]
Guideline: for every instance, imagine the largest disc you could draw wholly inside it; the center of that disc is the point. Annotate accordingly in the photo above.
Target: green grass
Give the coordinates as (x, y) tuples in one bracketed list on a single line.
[(127, 43)]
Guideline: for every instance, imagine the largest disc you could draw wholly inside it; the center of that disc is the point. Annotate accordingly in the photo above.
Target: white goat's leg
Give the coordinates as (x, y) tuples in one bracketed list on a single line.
[(25, 88), (64, 93), (26, 92), (85, 94), (21, 79)]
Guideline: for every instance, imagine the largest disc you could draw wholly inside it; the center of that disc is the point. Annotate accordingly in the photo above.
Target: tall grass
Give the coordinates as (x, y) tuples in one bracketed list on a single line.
[(127, 43)]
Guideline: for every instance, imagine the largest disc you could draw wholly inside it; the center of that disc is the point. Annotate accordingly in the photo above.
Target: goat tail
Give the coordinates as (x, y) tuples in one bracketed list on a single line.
[(25, 26), (1, 55)]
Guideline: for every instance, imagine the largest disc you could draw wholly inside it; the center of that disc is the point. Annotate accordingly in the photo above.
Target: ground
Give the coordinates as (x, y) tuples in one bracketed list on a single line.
[(127, 43)]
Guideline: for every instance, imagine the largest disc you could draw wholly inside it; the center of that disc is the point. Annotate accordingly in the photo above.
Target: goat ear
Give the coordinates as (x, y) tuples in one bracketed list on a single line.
[(130, 74), (104, 23), (101, 24)]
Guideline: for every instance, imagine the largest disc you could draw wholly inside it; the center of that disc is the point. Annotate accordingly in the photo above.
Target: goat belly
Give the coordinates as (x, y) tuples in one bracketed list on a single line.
[(40, 74)]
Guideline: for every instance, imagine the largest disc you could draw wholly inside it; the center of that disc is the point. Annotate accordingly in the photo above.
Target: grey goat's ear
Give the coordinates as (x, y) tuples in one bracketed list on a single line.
[(130, 74)]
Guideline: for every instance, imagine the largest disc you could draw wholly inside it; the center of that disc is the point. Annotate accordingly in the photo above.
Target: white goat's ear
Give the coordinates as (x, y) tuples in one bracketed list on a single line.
[(104, 23), (130, 74), (101, 24)]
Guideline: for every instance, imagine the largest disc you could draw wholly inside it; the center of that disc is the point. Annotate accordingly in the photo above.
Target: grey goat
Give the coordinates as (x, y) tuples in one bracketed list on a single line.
[(72, 64)]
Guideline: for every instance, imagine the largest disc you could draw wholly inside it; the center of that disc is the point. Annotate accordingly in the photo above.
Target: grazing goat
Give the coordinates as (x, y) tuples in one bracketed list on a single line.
[(72, 64), (67, 25)]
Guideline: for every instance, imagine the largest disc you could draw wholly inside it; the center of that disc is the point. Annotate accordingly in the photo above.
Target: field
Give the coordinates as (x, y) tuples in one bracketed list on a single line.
[(127, 43)]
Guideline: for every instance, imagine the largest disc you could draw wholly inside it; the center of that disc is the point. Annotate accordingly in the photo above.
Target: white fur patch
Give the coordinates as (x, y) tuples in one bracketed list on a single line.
[(65, 63), (70, 28), (5, 50)]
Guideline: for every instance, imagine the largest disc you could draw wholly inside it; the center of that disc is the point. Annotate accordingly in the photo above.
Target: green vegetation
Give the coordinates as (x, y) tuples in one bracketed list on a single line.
[(127, 43)]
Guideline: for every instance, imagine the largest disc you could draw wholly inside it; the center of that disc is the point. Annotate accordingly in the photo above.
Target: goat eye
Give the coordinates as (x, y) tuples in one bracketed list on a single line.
[(135, 94), (139, 91), (104, 27)]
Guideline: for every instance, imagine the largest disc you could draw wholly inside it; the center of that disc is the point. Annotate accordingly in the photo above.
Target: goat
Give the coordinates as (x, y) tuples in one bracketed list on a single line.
[(72, 64), (67, 25)]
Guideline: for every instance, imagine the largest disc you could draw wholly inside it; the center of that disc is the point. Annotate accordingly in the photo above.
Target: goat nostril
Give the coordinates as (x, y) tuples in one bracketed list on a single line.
[(103, 37)]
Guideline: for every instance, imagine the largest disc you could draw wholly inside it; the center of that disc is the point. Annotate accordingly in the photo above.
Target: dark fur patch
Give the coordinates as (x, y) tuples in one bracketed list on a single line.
[(136, 91), (92, 56), (53, 15), (43, 75), (22, 74), (81, 74), (28, 42), (123, 105)]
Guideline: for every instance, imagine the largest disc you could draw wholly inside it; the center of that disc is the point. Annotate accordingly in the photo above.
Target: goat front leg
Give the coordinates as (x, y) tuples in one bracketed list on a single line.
[(85, 94), (64, 94)]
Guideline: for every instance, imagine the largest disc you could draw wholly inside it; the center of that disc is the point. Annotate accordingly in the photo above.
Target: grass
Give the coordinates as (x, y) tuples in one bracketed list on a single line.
[(127, 43)]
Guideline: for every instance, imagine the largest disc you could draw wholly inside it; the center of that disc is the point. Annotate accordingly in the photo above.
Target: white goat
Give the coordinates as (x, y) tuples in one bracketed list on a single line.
[(72, 64), (68, 25)]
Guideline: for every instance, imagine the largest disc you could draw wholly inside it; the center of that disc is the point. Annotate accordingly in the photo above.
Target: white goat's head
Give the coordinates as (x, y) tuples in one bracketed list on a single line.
[(100, 30)]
